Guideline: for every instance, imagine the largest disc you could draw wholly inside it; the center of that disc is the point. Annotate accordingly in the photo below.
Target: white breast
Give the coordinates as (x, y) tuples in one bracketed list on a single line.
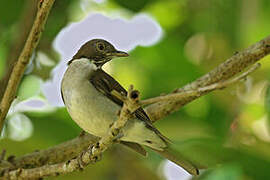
[(91, 110)]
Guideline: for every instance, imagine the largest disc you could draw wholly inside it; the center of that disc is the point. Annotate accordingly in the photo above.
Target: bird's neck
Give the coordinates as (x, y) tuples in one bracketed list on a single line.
[(81, 68), (97, 64)]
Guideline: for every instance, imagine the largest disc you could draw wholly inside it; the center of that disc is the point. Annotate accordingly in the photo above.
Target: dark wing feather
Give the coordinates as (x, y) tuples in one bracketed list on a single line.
[(105, 84)]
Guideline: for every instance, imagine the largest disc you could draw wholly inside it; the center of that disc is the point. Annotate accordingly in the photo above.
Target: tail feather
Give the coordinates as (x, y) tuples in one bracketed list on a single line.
[(175, 157), (134, 146)]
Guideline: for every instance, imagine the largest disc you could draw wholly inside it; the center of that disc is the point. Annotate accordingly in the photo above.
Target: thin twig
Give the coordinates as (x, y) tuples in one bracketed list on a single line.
[(197, 92), (19, 68)]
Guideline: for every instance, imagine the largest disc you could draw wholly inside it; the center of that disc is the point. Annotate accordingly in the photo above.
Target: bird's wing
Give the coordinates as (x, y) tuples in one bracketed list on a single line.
[(105, 84)]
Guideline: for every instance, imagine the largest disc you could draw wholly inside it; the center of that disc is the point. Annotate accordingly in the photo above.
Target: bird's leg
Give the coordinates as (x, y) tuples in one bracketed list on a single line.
[(118, 134)]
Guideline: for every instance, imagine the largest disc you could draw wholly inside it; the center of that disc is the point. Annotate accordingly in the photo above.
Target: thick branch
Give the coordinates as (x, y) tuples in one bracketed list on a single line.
[(237, 63), (19, 68), (59, 153)]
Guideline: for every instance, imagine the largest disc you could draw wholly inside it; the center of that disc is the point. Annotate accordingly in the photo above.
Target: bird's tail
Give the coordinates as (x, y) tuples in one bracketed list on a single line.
[(178, 159)]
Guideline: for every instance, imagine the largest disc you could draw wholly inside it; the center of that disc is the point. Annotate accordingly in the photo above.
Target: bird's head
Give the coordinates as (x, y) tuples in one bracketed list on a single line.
[(98, 51)]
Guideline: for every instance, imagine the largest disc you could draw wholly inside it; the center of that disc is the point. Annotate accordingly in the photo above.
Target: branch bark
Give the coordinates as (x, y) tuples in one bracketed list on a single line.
[(226, 70), (19, 68)]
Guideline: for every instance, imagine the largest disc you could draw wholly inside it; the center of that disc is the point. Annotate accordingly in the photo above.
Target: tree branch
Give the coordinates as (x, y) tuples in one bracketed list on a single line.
[(56, 154), (19, 68), (235, 64), (199, 91)]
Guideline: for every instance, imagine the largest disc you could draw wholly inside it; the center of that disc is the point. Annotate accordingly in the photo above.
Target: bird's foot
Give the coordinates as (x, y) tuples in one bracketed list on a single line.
[(118, 136), (116, 133)]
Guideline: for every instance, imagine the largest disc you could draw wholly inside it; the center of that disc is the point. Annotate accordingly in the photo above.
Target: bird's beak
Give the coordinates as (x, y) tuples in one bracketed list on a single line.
[(118, 54)]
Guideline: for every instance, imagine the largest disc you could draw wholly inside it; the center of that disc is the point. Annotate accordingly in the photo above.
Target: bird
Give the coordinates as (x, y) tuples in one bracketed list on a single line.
[(86, 91)]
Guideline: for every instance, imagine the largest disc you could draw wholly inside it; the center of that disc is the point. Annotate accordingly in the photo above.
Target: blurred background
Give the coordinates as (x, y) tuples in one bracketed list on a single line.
[(171, 43)]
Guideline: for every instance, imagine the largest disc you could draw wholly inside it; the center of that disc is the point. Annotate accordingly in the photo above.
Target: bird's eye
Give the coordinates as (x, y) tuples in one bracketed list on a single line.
[(100, 47)]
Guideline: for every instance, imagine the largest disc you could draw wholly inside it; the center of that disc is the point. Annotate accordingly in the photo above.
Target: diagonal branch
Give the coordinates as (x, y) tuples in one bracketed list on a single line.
[(226, 70), (19, 68), (199, 91)]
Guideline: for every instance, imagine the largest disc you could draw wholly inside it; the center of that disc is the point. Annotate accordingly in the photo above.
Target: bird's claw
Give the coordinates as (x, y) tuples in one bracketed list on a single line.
[(118, 136)]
